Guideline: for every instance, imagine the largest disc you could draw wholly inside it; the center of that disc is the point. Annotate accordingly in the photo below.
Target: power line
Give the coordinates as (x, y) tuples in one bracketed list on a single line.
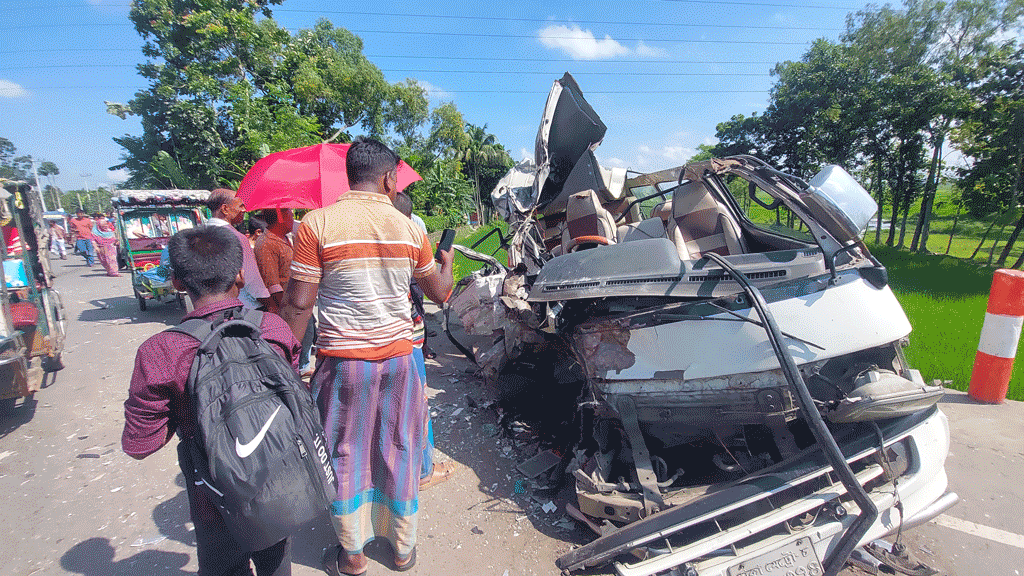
[(552, 21), (489, 35), (769, 4), (468, 34), (440, 91), (705, 2), (419, 71), (427, 57)]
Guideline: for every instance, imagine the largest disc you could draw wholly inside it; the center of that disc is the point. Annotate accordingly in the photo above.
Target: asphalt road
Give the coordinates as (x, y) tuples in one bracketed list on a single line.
[(75, 504)]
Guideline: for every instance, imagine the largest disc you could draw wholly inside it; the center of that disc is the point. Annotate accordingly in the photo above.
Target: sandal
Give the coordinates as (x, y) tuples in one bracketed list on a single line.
[(442, 471), (331, 559), (410, 561)]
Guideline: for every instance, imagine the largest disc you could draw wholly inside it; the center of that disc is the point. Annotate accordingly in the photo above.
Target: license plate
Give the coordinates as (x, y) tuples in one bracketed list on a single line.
[(794, 559)]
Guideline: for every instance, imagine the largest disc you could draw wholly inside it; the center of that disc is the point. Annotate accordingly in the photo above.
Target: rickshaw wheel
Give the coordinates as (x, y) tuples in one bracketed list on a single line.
[(142, 302)]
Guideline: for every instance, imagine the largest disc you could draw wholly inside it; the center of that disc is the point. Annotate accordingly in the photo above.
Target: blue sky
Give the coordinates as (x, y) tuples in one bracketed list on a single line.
[(661, 73)]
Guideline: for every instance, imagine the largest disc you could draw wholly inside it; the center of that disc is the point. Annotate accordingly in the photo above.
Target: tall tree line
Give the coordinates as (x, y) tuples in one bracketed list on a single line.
[(227, 85), (890, 97)]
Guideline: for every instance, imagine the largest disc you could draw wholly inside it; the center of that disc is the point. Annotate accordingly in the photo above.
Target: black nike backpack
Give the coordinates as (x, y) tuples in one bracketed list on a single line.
[(259, 447)]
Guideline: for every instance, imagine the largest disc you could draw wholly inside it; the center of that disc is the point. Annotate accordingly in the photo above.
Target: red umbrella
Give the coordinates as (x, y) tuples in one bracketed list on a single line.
[(309, 177)]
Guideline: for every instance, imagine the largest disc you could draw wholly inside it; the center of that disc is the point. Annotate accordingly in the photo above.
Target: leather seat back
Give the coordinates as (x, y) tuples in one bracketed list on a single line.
[(699, 224), (585, 218)]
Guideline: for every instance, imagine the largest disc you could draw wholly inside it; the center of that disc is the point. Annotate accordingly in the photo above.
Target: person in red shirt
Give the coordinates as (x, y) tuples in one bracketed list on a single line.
[(205, 262), (81, 233), (274, 253)]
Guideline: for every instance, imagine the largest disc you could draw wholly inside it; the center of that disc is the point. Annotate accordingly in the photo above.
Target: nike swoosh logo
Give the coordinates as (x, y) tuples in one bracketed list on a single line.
[(244, 450)]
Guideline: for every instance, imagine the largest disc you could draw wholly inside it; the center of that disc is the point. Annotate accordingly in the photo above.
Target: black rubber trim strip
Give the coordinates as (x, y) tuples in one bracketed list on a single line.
[(869, 512)]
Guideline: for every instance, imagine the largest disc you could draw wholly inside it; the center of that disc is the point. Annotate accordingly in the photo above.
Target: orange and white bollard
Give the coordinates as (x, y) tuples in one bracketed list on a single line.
[(1004, 317)]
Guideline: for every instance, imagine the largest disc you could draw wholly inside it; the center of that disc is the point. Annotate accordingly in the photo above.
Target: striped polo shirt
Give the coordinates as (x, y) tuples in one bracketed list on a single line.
[(363, 253)]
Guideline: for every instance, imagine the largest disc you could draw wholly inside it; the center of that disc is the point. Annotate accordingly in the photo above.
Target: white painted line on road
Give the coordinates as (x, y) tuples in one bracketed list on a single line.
[(987, 532)]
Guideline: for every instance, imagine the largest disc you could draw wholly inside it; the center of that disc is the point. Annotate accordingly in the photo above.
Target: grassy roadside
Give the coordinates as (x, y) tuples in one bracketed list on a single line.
[(945, 300)]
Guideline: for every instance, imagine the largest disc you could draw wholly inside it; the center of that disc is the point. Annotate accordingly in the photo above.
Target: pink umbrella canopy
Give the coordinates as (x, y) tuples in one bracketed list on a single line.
[(309, 177)]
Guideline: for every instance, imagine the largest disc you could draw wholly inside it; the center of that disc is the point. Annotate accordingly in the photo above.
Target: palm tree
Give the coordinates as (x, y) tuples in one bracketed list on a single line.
[(482, 150)]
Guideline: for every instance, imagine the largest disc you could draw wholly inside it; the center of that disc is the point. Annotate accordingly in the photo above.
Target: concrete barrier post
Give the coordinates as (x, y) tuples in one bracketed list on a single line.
[(1004, 317)]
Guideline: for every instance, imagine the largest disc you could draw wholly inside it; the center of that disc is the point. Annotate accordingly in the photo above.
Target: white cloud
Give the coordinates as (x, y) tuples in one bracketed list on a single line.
[(645, 51), (9, 89), (614, 162), (117, 176), (524, 154), (579, 43), (678, 154), (434, 92)]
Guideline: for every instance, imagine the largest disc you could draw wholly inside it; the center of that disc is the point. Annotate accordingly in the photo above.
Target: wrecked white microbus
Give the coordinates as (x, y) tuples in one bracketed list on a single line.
[(730, 351)]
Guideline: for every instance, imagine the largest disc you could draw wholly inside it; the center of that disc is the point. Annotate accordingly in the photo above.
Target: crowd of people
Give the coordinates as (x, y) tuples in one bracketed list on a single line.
[(93, 237), (361, 267)]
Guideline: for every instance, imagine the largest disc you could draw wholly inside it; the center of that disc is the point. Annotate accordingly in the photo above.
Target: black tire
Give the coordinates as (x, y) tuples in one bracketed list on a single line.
[(51, 363), (181, 301), (142, 302), (7, 405)]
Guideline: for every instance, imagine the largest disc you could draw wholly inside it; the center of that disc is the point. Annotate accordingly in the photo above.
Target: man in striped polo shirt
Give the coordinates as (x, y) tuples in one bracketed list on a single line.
[(354, 260)]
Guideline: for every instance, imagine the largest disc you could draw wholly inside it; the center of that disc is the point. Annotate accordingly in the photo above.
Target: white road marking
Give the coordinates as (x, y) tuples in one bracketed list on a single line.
[(987, 532)]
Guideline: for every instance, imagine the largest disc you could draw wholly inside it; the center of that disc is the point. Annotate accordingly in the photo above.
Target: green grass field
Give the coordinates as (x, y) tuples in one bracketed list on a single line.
[(944, 298), (466, 236)]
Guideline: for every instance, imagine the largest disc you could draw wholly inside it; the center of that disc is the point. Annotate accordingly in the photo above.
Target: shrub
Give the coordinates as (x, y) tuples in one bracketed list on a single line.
[(434, 223)]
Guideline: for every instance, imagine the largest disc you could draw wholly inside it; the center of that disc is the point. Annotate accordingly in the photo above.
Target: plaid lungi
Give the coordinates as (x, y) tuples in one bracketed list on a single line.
[(374, 414)]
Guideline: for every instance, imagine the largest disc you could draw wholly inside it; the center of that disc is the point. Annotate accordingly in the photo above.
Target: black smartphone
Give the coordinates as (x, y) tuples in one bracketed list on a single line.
[(447, 238)]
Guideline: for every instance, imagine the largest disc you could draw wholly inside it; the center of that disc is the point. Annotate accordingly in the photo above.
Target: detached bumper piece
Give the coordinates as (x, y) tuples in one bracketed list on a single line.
[(788, 514)]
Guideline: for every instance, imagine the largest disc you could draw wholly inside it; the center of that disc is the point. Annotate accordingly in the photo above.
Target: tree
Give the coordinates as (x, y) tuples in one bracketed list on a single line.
[(48, 170), (199, 53), (994, 133), (334, 82), (13, 167), (227, 86), (481, 153), (97, 200), (966, 31), (743, 135), (445, 192), (813, 104)]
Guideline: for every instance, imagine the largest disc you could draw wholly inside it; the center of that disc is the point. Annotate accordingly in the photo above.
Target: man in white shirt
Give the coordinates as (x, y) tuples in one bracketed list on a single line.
[(229, 210)]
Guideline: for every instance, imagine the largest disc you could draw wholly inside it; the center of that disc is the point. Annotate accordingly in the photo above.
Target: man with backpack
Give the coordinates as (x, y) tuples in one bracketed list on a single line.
[(217, 355)]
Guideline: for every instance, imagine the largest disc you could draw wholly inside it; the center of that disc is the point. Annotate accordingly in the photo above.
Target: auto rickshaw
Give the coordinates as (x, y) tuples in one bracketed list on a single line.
[(33, 324), (146, 219)]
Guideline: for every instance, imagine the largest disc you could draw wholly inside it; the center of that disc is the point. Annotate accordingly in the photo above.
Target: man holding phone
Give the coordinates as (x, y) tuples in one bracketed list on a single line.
[(355, 260)]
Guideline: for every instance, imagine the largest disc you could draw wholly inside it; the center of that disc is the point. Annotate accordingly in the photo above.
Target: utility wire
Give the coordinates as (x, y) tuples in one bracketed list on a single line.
[(418, 71), (485, 35), (557, 21), (439, 91), (458, 34), (427, 57), (275, 10)]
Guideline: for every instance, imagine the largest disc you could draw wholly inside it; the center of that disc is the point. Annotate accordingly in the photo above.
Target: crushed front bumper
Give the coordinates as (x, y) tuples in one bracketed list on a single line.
[(796, 505)]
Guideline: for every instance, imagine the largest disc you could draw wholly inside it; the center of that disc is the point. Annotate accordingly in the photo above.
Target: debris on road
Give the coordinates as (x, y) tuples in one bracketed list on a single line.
[(539, 464)]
